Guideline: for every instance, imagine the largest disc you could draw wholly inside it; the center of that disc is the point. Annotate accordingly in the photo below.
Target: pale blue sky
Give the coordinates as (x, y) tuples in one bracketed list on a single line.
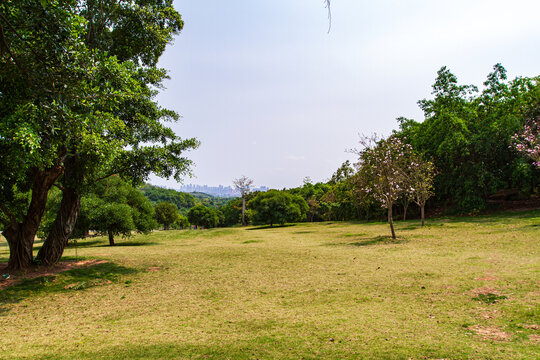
[(272, 96)]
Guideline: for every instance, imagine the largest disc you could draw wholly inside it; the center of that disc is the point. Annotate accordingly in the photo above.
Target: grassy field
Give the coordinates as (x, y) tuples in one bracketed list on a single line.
[(460, 288)]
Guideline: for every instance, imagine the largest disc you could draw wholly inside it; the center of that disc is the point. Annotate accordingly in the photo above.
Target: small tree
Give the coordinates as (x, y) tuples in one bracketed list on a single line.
[(278, 207), (421, 175), (383, 163), (166, 214), (203, 216), (243, 185), (114, 207), (181, 222)]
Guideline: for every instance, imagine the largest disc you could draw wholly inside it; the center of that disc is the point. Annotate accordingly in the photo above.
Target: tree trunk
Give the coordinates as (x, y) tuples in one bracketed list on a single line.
[(405, 211), (20, 236), (243, 210), (61, 229), (111, 238), (390, 221), (64, 223), (422, 214), (166, 226)]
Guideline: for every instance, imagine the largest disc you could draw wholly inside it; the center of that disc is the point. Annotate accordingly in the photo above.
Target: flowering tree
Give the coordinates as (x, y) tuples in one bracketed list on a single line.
[(384, 163), (527, 141)]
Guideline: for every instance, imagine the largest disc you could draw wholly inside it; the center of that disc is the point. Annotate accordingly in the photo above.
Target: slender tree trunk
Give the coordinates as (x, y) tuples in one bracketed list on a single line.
[(111, 238), (405, 211), (166, 226), (64, 223), (243, 210), (20, 236), (422, 214), (391, 222)]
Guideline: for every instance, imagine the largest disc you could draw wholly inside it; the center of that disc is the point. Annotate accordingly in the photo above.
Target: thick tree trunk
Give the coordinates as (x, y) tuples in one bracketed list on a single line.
[(166, 226), (61, 229), (64, 223), (243, 210), (422, 214), (20, 236), (391, 222), (111, 238)]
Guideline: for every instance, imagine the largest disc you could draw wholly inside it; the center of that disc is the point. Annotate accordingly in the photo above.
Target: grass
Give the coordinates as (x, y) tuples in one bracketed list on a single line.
[(459, 288)]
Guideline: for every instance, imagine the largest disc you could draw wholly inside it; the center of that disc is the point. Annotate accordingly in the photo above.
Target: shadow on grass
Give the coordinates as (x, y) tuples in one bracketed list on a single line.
[(377, 240), (71, 280), (130, 243), (262, 346), (264, 227), (496, 216), (83, 243)]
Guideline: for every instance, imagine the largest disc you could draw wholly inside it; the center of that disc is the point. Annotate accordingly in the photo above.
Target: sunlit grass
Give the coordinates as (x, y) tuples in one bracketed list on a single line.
[(311, 291)]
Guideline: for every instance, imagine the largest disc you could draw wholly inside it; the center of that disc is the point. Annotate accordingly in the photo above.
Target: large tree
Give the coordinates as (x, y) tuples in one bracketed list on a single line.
[(82, 107)]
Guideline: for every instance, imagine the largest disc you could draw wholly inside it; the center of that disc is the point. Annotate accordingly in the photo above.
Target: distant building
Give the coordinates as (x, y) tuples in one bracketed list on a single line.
[(218, 191)]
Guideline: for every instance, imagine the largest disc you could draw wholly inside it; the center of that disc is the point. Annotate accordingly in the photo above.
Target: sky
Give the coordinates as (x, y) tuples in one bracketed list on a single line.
[(274, 96)]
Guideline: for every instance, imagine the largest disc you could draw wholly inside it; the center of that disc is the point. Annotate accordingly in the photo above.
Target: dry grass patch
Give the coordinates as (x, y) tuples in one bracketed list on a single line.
[(303, 291)]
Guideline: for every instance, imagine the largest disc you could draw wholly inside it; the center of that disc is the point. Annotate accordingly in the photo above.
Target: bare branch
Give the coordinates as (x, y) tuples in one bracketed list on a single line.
[(243, 184), (327, 2)]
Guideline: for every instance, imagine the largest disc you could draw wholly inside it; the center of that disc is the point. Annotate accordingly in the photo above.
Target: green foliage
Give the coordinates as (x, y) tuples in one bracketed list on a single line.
[(181, 222), (116, 208), (203, 216), (469, 137), (166, 214), (232, 212), (278, 207), (79, 81)]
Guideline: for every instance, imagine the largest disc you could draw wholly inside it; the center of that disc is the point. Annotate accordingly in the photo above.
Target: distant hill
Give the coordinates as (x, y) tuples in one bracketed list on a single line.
[(183, 201), (156, 194), (209, 200)]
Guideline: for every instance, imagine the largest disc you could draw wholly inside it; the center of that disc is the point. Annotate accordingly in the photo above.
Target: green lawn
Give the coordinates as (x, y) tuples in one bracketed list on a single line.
[(460, 288)]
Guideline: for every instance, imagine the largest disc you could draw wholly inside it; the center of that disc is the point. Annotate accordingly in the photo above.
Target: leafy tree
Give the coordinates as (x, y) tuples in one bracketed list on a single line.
[(114, 207), (181, 222), (202, 216), (78, 87), (419, 182), (468, 136), (243, 184), (232, 212), (166, 214), (278, 207)]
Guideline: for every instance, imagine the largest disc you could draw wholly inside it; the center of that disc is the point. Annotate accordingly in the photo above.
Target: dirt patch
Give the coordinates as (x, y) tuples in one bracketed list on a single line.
[(487, 278), (485, 290), (154, 268), (487, 315), (535, 338), (39, 271), (491, 333), (531, 326)]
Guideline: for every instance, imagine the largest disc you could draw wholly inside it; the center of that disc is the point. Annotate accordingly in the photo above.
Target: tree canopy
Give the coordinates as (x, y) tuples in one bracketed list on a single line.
[(78, 104)]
